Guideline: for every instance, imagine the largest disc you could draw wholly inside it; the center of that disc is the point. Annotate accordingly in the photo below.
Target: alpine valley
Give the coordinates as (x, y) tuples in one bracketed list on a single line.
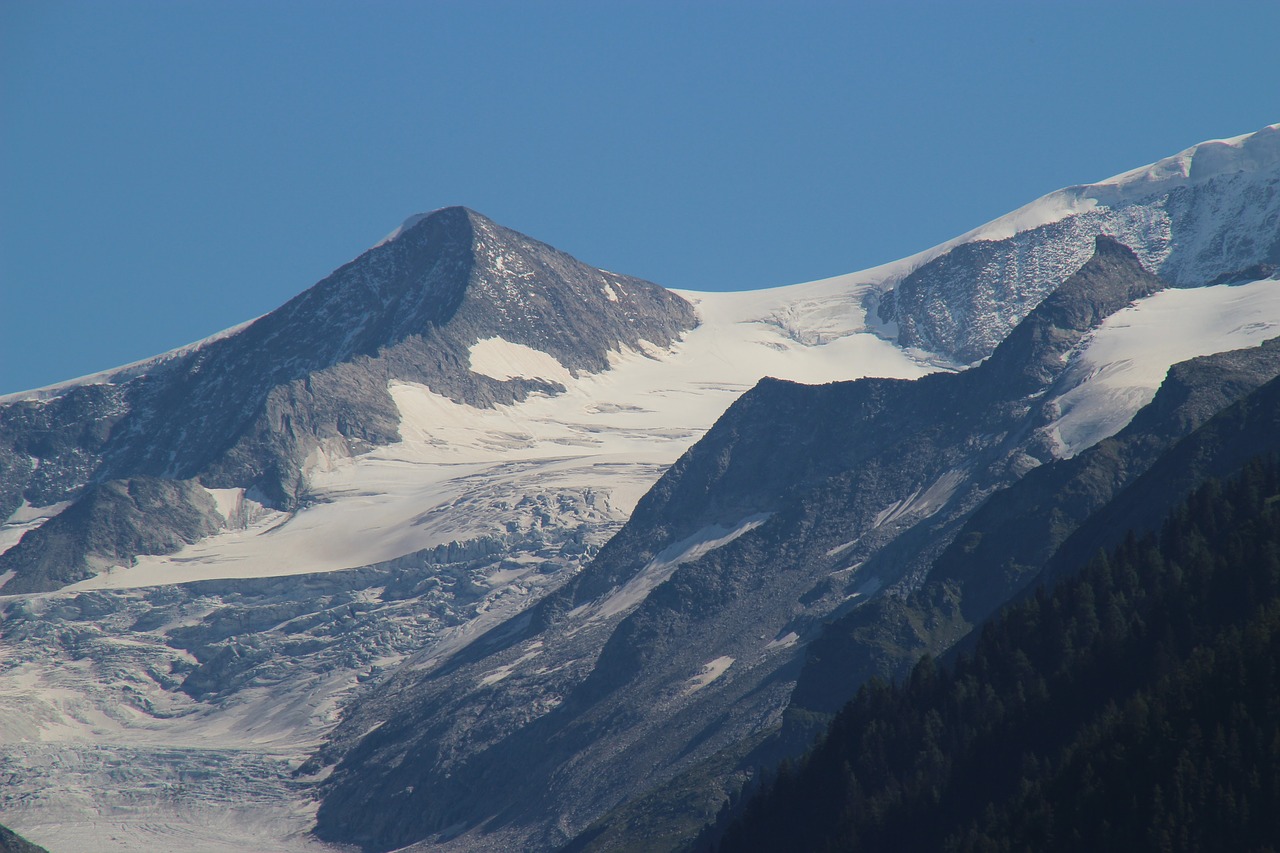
[(474, 547)]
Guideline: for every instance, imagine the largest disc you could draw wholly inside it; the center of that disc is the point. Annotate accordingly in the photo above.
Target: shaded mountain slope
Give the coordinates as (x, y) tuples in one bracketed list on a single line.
[(1010, 539), (1218, 449), (1130, 708), (11, 842), (685, 634)]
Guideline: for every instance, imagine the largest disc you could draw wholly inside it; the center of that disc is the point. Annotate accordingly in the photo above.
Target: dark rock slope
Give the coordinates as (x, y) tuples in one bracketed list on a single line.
[(1130, 708), (110, 524), (1218, 449), (11, 842), (1011, 538), (659, 656), (245, 410)]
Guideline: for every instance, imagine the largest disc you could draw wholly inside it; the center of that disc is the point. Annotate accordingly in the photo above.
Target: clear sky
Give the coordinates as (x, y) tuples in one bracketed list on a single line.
[(168, 169)]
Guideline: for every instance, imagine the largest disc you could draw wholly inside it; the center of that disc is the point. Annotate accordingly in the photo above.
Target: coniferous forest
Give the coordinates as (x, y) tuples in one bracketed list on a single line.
[(1134, 707)]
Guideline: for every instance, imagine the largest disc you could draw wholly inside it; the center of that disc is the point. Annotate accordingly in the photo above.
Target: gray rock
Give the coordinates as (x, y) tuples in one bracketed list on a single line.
[(247, 410), (962, 304), (536, 729), (1011, 538)]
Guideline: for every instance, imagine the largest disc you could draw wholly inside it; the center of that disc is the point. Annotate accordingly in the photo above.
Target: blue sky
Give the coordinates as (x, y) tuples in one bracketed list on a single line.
[(168, 169)]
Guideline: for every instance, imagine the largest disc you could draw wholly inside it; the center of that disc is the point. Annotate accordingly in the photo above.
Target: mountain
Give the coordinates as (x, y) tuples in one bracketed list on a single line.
[(450, 541), (213, 632), (247, 409), (1014, 535), (685, 634), (1206, 215), (1130, 707)]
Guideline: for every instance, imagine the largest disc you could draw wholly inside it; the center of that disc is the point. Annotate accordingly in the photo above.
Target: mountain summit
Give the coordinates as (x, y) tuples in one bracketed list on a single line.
[(473, 546), (246, 410), (765, 528)]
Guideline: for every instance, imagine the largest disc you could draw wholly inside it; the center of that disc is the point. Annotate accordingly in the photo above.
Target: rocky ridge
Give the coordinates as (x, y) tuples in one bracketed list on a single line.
[(804, 505), (248, 409), (662, 653)]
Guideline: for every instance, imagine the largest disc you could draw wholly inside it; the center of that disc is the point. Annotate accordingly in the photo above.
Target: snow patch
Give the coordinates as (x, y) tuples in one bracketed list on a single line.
[(785, 641), (496, 675), (845, 546), (228, 501), (920, 503), (238, 508), (501, 359), (25, 519), (662, 566), (711, 670), (1126, 359), (27, 513)]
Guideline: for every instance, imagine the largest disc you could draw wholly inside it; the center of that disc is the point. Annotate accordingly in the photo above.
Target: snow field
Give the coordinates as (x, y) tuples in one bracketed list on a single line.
[(462, 472), (1125, 360)]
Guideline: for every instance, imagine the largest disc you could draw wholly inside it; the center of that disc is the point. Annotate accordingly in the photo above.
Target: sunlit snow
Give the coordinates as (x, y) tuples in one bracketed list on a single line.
[(711, 670), (664, 564), (1253, 152), (460, 471), (1124, 361), (502, 359)]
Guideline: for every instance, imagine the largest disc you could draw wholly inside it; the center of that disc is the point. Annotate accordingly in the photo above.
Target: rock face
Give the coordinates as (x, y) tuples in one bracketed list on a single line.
[(49, 449), (113, 522), (1008, 542), (11, 842), (1203, 216), (246, 410), (683, 638), (551, 675)]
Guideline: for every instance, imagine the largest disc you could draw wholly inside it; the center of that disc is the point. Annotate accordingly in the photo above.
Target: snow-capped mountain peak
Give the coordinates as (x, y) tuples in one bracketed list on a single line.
[(1257, 152), (369, 491), (1208, 214), (403, 227)]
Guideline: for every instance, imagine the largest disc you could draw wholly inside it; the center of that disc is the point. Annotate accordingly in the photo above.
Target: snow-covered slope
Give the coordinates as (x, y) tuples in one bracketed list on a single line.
[(469, 469), (1206, 215), (462, 472), (1125, 360), (474, 514)]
